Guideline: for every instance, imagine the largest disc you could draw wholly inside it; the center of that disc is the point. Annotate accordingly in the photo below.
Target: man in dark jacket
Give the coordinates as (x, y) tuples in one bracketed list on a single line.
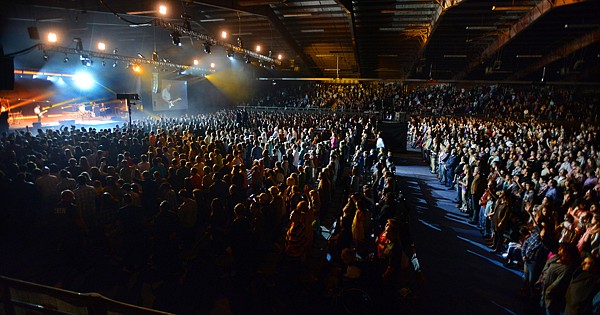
[(449, 166), (585, 284)]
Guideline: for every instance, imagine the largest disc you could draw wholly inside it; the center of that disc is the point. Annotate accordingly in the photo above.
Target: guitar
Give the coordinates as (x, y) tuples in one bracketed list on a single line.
[(39, 112), (172, 102)]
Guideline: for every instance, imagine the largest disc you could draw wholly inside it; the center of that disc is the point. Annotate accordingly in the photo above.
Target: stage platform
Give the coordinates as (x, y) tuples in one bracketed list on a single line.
[(56, 121)]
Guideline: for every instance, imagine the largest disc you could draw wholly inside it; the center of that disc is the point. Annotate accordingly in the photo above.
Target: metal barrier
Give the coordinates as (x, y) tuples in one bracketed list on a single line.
[(22, 297)]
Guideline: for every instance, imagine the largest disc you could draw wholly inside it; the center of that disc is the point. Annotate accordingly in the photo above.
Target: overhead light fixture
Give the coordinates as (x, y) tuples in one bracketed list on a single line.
[(482, 28), (136, 67), (529, 56), (141, 56), (207, 47), (230, 53), (279, 57), (155, 56), (224, 34), (318, 30), (257, 48), (296, 15), (196, 62), (66, 59), (45, 56), (115, 64), (101, 46), (52, 38), (176, 37), (511, 8), (115, 51), (212, 64), (212, 20), (392, 29), (86, 61), (162, 9), (247, 58)]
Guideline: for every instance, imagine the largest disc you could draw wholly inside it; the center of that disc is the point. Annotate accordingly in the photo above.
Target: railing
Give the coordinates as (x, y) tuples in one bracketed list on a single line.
[(21, 297)]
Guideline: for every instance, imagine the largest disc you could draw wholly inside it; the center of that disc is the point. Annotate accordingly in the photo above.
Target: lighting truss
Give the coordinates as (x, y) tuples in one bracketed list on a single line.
[(205, 38), (127, 60)]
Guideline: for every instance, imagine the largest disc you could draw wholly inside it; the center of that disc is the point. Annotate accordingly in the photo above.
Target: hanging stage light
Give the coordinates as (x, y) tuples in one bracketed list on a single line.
[(176, 37), (66, 59), (230, 53), (207, 47)]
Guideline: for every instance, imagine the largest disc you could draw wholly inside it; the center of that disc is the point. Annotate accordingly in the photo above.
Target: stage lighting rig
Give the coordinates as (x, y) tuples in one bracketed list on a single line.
[(207, 47)]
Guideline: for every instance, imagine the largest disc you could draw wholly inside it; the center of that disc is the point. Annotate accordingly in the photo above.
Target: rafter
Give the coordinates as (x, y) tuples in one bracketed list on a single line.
[(561, 52), (541, 9)]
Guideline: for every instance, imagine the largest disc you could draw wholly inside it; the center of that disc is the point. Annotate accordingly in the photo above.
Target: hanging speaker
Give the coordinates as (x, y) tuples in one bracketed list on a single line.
[(155, 82), (33, 33), (7, 73)]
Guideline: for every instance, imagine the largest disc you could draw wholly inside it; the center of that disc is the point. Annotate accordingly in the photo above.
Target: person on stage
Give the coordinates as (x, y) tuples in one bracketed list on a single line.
[(39, 112), (167, 97)]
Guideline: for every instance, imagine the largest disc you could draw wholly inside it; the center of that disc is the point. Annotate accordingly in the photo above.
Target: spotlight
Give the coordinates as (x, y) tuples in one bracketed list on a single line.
[(247, 58), (175, 36), (141, 56), (257, 48), (272, 67), (114, 64), (230, 53), (195, 62), (101, 46), (212, 64), (207, 47), (155, 56), (224, 34), (162, 9), (52, 38), (136, 68), (66, 59), (86, 61), (115, 51), (45, 56), (279, 57)]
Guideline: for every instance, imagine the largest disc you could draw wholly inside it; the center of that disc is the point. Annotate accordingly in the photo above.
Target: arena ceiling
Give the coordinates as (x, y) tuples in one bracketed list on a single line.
[(515, 40)]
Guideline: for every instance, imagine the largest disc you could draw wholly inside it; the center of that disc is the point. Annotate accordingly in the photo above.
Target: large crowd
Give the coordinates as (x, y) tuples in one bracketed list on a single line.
[(307, 198), (514, 102), (532, 190), (313, 197)]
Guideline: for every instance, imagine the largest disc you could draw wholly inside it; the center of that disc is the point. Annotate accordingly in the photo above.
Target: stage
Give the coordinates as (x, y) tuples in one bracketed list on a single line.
[(20, 122)]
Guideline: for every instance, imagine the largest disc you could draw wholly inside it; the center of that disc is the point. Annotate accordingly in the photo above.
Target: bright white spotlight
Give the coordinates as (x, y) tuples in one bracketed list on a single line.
[(83, 80), (224, 34), (162, 9), (52, 37), (258, 48), (279, 56), (212, 64), (101, 46), (195, 62)]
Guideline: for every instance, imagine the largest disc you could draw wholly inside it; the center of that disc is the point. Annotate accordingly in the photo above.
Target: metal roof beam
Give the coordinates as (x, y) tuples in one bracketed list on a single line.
[(267, 12), (523, 23), (561, 52)]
